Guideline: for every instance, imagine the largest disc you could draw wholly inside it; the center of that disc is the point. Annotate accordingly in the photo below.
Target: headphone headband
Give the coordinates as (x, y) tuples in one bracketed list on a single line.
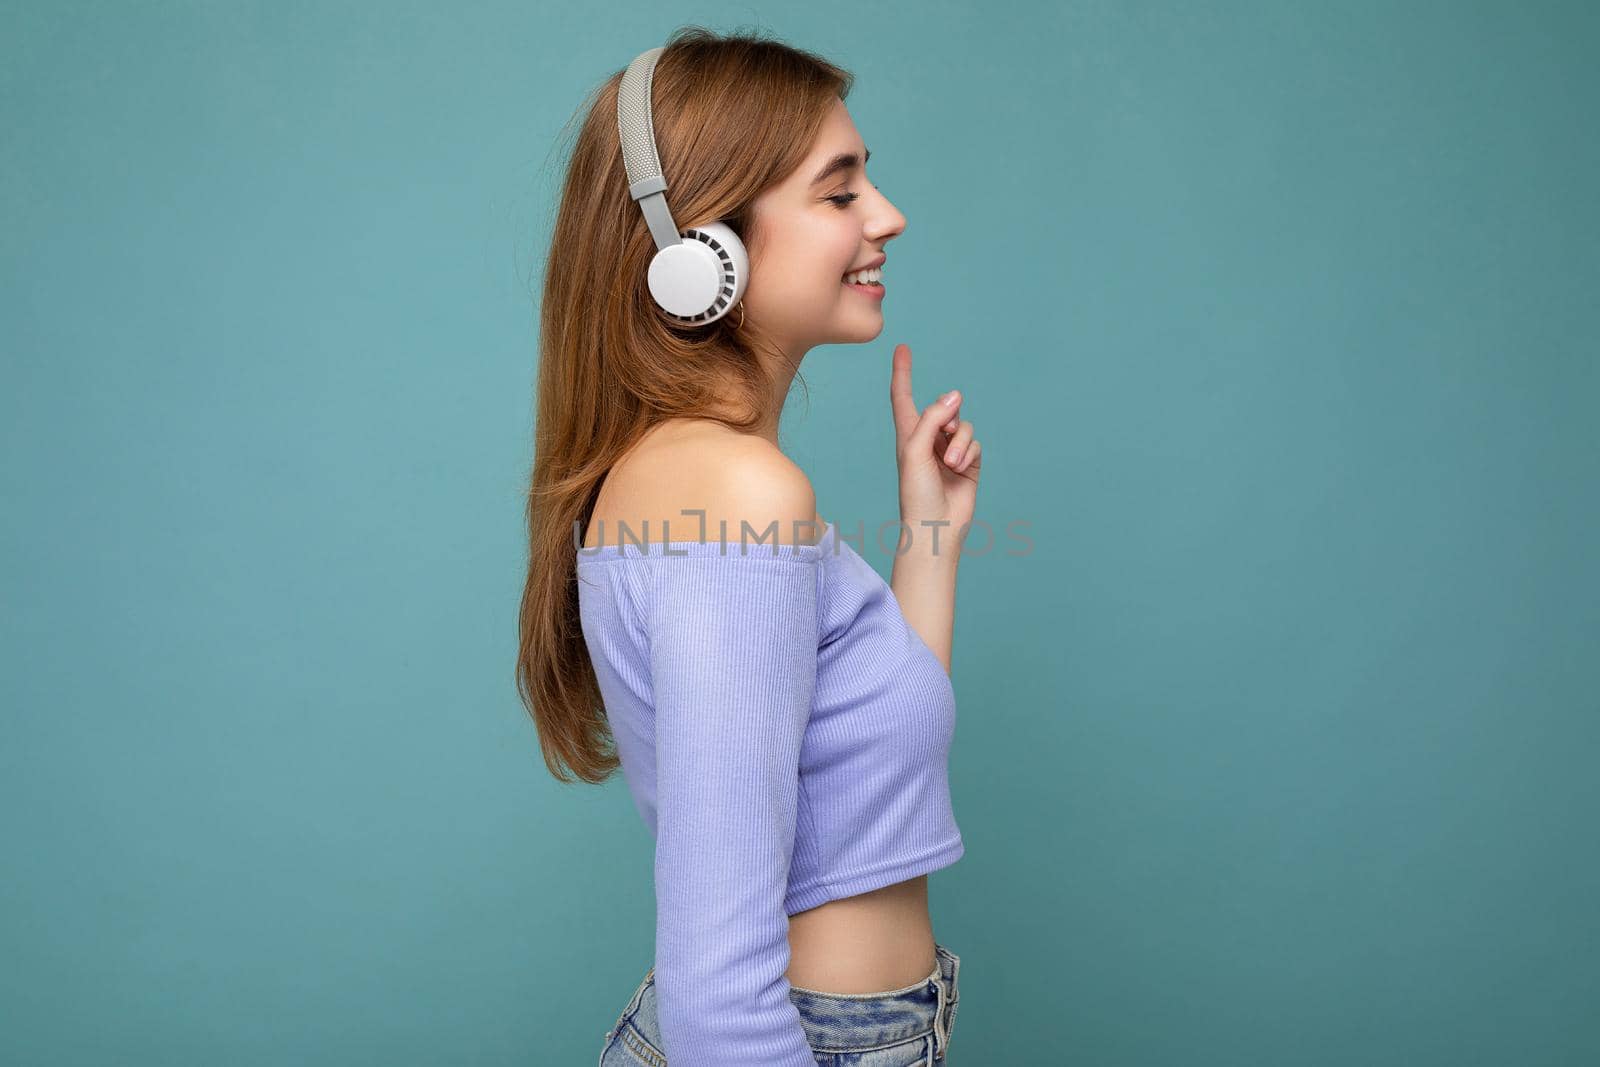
[(636, 129)]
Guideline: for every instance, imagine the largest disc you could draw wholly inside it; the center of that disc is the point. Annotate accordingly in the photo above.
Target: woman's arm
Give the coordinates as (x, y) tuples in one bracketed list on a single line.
[(939, 466), (733, 662), (924, 582)]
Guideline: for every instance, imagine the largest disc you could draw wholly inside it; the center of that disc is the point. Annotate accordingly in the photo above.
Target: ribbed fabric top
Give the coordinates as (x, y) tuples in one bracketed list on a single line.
[(785, 734)]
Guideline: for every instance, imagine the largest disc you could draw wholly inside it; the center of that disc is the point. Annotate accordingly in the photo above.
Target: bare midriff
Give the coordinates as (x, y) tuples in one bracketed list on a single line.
[(869, 943)]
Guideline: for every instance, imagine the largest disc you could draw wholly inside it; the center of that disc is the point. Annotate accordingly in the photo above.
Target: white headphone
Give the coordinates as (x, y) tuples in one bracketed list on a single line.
[(698, 275)]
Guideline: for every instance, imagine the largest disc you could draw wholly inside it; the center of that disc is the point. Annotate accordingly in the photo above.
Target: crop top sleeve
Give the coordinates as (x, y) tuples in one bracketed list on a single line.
[(733, 654)]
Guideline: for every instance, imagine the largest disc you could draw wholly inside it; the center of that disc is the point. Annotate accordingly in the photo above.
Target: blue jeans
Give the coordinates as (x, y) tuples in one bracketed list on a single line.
[(896, 1028)]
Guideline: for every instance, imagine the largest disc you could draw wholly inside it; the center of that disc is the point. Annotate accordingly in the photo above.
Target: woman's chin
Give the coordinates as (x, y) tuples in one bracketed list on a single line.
[(860, 333), (859, 320)]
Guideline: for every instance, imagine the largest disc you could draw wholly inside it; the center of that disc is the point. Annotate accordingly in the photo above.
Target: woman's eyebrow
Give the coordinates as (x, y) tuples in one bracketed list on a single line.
[(842, 161)]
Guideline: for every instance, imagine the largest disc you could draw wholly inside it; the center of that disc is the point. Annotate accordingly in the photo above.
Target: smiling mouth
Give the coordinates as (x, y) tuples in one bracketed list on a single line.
[(873, 292)]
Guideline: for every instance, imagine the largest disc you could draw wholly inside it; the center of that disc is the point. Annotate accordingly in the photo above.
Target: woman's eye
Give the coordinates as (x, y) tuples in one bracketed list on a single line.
[(844, 200)]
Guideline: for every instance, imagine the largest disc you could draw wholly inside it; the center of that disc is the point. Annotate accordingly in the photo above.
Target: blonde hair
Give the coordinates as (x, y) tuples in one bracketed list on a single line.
[(734, 114)]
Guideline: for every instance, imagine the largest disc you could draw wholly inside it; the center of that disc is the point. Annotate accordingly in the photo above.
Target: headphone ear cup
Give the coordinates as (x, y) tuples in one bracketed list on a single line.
[(703, 277), (735, 260)]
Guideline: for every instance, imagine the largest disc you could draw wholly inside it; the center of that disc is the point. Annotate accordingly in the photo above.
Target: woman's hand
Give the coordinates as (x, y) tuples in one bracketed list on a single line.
[(939, 460)]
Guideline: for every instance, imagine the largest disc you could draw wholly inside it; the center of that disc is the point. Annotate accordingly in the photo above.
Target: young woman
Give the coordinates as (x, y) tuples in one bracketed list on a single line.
[(782, 715)]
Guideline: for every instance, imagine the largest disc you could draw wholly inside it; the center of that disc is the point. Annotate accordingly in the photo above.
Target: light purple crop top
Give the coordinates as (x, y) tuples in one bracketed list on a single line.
[(785, 734)]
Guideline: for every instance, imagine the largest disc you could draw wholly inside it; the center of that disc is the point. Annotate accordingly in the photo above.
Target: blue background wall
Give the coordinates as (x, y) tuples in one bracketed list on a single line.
[(1277, 323)]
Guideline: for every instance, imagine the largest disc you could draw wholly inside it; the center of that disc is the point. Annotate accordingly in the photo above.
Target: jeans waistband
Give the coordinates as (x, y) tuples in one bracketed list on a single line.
[(836, 1021)]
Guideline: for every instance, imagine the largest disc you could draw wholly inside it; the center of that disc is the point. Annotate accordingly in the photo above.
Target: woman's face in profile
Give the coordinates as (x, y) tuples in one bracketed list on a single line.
[(810, 233)]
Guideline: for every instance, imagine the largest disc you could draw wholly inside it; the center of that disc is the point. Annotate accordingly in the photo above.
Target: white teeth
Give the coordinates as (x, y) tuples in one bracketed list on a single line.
[(861, 277)]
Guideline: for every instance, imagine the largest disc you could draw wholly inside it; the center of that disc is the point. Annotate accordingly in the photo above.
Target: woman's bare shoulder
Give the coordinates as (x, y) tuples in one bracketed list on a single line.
[(703, 481)]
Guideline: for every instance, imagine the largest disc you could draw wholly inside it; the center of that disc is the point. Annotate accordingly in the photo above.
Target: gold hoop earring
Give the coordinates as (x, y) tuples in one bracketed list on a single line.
[(741, 316)]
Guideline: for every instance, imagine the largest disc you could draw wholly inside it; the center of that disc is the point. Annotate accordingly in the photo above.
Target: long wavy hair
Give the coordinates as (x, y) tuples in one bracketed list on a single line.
[(734, 114)]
